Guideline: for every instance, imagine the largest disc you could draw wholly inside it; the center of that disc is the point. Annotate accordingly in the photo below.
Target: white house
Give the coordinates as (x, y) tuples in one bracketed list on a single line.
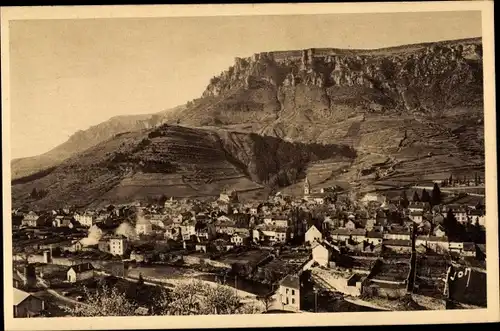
[(313, 234), (416, 216), (172, 232), (80, 272), (238, 239), (477, 216), (188, 230), (117, 245), (143, 226), (278, 221), (289, 293), (373, 197), (321, 254), (26, 305), (374, 237), (439, 231), (85, 219)]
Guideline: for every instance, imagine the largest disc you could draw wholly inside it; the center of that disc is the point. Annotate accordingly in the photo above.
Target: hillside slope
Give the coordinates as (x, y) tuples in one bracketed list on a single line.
[(84, 139), (397, 115), (174, 161)]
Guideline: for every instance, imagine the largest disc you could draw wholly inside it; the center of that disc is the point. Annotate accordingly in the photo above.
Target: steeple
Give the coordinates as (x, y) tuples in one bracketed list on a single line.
[(307, 187)]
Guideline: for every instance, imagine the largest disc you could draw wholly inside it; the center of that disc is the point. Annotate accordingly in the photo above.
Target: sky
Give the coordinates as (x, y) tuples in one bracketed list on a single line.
[(67, 75)]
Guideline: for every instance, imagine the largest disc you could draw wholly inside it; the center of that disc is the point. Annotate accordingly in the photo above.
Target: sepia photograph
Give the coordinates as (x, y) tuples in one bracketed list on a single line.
[(188, 166)]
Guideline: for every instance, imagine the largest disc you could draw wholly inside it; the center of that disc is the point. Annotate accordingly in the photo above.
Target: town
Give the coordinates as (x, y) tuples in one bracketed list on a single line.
[(328, 250)]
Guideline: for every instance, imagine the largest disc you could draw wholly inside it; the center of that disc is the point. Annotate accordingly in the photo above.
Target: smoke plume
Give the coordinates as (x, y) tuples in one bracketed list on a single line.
[(126, 230), (93, 237)]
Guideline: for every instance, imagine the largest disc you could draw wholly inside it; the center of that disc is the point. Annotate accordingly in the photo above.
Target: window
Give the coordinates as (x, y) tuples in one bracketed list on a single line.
[(286, 291), (287, 302), (293, 292), (293, 301)]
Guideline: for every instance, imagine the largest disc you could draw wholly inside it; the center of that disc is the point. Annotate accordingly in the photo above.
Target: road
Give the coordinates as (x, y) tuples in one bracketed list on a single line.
[(453, 189)]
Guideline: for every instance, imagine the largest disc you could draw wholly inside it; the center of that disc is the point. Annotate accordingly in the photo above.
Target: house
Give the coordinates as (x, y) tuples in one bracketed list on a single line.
[(399, 246), (477, 216), (312, 235), (280, 235), (461, 215), (350, 225), (188, 229), (419, 206), (143, 226), (85, 219), (289, 293), (469, 249), (253, 211), (397, 234), (437, 244), (358, 235), (317, 198), (172, 232), (117, 245), (239, 239), (373, 197), (341, 234), (278, 221), (439, 231), (80, 272), (74, 246), (31, 219), (63, 221), (201, 247), (370, 223), (374, 237), (456, 247), (321, 254), (26, 305), (416, 216)]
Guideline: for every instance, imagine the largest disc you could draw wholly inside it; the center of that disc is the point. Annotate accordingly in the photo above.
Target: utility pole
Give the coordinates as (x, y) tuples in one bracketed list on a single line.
[(315, 300)]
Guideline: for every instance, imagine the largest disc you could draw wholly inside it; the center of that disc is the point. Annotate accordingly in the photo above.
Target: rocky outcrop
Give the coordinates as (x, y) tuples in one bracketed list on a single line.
[(416, 77)]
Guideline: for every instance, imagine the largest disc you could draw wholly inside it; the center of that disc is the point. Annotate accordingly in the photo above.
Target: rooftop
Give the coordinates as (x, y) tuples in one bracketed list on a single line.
[(19, 296), (82, 267), (291, 281), (391, 242)]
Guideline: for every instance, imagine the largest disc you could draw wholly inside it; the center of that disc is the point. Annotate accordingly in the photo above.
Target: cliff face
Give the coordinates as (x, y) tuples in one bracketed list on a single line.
[(427, 77)]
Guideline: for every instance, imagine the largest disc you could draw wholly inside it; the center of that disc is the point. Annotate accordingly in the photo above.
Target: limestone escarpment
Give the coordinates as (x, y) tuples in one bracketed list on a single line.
[(425, 77)]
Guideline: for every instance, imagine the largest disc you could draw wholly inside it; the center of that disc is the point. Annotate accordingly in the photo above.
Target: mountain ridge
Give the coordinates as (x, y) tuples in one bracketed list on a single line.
[(408, 112)]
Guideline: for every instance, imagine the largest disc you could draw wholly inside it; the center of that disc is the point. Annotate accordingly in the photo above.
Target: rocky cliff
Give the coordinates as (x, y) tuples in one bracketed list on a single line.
[(427, 77)]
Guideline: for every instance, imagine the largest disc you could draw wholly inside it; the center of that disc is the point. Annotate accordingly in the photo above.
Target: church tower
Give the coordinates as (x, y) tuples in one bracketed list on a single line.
[(307, 187)]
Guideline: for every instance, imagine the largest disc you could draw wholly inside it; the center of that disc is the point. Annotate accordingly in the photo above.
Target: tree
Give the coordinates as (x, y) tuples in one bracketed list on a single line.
[(266, 299), (416, 198), (404, 200), (451, 225), (103, 302), (425, 196), (197, 298), (436, 195)]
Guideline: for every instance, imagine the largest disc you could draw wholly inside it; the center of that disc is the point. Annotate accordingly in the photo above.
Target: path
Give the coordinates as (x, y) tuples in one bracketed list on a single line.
[(454, 189), (56, 294)]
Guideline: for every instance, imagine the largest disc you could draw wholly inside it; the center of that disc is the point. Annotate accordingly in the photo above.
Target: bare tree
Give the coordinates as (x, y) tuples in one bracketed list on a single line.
[(267, 300)]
